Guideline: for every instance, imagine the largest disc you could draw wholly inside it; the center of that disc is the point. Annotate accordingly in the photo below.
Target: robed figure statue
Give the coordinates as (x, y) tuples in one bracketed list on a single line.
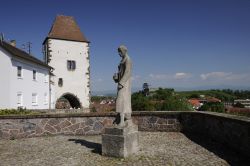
[(123, 79)]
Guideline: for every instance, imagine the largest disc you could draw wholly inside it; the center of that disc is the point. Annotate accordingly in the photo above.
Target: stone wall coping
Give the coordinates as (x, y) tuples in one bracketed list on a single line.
[(157, 113), (135, 113), (214, 114), (226, 116), (91, 114), (59, 115)]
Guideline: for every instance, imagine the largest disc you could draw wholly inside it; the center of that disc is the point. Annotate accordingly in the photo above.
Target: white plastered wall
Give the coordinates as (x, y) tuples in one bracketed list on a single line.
[(5, 64), (26, 85), (75, 82)]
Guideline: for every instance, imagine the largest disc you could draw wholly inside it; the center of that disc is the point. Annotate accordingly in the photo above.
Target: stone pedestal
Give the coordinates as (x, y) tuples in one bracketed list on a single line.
[(120, 141)]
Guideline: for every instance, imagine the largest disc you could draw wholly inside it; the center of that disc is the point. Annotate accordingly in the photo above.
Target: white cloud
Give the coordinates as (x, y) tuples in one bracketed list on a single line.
[(225, 76), (182, 75), (159, 76), (242, 76), (216, 75), (175, 76)]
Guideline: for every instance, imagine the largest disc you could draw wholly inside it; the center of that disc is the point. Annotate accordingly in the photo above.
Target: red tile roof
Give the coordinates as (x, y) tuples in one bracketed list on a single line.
[(66, 28), (194, 102)]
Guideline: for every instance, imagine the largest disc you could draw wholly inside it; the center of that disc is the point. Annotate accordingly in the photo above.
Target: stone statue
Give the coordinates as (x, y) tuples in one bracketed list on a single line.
[(122, 140), (123, 79)]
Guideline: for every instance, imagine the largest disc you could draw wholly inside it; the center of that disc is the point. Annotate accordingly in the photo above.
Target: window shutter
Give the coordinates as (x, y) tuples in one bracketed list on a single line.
[(68, 65), (19, 71)]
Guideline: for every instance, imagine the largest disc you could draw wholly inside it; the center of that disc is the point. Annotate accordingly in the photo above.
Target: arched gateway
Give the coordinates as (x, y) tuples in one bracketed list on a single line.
[(67, 101)]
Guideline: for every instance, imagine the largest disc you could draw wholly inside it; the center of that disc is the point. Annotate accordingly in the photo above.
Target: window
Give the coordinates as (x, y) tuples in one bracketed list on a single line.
[(19, 99), (34, 75), (45, 98), (19, 71), (60, 82), (34, 99), (71, 65)]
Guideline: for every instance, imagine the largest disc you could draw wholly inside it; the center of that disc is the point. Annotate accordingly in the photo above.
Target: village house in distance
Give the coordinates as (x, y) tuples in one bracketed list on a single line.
[(61, 81)]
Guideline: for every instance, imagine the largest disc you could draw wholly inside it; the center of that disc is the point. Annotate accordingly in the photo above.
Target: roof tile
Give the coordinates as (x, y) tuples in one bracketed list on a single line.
[(65, 27)]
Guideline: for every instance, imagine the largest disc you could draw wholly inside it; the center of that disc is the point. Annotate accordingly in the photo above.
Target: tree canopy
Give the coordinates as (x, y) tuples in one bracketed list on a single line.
[(159, 100)]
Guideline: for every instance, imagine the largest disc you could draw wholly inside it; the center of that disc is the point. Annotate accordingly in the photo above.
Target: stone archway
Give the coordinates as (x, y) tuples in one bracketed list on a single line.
[(67, 101)]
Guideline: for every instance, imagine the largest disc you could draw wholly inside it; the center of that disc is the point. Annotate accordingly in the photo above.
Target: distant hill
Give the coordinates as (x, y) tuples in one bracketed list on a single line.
[(179, 89), (110, 92), (212, 87)]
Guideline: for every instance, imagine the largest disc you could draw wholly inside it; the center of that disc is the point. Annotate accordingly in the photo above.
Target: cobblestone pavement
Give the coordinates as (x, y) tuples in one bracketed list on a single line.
[(156, 149)]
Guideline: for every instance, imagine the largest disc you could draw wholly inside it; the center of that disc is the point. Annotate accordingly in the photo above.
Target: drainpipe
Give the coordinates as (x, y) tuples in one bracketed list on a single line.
[(49, 91)]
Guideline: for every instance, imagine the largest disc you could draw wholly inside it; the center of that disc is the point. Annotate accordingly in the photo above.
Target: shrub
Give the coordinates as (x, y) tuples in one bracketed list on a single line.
[(19, 111), (213, 106), (174, 104), (93, 109)]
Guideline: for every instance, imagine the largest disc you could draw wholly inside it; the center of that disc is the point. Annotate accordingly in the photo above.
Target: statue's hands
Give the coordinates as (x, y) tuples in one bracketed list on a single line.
[(120, 86), (115, 77)]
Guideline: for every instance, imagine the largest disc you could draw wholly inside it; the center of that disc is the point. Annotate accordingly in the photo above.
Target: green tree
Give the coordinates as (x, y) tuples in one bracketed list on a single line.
[(213, 106), (141, 102), (161, 100), (163, 94), (176, 104)]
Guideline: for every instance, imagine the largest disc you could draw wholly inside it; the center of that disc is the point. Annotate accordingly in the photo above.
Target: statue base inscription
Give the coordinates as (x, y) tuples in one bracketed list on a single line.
[(120, 141)]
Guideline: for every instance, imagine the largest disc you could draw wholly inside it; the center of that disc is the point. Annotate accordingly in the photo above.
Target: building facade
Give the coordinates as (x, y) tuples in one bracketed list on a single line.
[(25, 80), (245, 102), (67, 51)]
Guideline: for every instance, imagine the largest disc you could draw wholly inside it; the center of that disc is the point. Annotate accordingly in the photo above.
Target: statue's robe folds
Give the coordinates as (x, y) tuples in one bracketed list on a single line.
[(123, 101)]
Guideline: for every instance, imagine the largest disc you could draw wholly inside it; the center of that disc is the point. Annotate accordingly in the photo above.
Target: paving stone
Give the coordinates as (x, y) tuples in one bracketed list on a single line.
[(156, 148)]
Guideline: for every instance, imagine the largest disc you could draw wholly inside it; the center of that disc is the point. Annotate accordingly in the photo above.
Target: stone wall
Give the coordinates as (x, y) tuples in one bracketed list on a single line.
[(229, 130), (13, 127), (158, 121)]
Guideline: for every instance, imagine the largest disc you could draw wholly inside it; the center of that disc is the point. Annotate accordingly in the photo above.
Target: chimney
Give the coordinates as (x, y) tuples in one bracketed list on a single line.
[(13, 43)]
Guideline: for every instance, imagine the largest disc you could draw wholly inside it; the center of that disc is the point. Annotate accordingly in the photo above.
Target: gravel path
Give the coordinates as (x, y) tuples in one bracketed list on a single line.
[(156, 148)]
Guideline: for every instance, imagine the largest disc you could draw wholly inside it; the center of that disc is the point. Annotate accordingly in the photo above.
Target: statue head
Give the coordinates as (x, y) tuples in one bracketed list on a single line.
[(122, 50)]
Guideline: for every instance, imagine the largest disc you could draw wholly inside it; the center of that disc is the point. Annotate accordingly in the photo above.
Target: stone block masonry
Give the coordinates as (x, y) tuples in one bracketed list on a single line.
[(36, 127), (120, 141), (26, 126)]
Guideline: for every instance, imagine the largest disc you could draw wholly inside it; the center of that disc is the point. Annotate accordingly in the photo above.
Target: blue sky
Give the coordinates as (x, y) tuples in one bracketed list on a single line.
[(173, 43)]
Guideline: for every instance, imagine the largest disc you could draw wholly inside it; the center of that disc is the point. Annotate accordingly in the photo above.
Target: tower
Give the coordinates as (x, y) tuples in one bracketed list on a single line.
[(67, 50)]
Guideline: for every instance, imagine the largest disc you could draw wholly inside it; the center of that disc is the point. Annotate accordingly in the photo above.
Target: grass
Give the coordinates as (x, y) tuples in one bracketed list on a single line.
[(19, 111)]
